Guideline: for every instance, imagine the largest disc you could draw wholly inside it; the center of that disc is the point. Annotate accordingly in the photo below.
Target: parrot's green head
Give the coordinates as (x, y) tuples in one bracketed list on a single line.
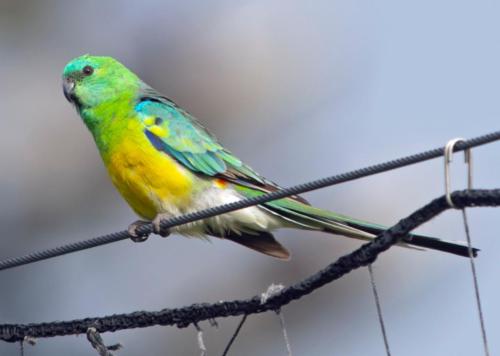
[(90, 81)]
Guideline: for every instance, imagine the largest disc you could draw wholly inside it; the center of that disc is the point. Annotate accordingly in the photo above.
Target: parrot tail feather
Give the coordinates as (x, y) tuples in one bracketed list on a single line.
[(263, 242), (433, 243), (312, 218)]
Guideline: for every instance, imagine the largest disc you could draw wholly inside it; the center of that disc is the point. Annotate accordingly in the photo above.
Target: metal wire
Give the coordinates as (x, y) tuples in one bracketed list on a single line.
[(448, 152), (279, 194), (476, 285), (235, 335), (379, 310), (200, 341), (285, 333)]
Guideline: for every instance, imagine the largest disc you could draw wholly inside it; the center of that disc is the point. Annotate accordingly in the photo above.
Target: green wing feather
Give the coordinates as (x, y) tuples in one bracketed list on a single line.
[(188, 141)]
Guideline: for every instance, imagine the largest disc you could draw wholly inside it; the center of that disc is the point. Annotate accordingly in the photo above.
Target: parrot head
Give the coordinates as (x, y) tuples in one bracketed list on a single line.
[(89, 81)]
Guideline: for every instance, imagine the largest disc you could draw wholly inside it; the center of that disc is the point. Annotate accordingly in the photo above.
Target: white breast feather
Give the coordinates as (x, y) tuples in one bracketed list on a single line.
[(245, 220)]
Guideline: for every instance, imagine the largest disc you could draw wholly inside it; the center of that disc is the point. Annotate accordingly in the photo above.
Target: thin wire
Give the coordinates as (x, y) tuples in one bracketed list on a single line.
[(379, 310), (448, 153), (235, 335), (245, 203), (285, 334), (476, 285), (26, 340)]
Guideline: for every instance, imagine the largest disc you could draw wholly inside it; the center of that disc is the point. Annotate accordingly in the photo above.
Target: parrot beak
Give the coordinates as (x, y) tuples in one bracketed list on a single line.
[(68, 89)]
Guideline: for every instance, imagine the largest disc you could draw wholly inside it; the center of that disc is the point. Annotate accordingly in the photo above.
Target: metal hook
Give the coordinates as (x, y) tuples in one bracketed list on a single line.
[(448, 154)]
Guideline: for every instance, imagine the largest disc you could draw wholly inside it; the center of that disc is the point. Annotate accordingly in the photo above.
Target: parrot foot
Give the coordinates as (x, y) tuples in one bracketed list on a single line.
[(157, 229), (134, 234)]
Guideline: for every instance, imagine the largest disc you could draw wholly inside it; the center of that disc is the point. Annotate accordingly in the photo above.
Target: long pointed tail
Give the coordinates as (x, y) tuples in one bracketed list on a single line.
[(432, 243), (298, 213), (441, 245), (307, 216)]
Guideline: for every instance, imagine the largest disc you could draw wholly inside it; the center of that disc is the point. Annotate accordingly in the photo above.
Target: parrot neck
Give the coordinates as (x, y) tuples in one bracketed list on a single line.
[(107, 121)]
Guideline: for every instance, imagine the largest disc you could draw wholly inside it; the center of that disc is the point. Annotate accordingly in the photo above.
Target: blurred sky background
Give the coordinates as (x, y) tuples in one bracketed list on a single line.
[(297, 89)]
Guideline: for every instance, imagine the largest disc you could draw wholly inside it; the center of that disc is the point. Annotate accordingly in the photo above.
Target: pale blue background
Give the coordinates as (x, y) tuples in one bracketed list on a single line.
[(297, 89)]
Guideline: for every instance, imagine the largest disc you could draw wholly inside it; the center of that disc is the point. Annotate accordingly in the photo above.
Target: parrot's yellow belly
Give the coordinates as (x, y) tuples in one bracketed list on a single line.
[(149, 180)]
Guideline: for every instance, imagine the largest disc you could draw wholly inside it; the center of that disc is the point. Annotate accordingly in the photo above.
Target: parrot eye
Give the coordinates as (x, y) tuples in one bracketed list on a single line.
[(87, 70)]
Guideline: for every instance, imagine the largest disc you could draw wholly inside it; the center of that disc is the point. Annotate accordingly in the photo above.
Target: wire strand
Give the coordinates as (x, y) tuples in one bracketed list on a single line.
[(245, 203), (200, 341), (285, 333), (476, 284), (379, 310), (235, 335)]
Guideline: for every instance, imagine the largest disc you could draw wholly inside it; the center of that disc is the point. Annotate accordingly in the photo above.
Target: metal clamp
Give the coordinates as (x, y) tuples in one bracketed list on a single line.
[(448, 154)]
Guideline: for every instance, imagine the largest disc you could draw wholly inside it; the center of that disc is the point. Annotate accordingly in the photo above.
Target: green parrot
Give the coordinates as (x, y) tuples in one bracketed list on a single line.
[(165, 163)]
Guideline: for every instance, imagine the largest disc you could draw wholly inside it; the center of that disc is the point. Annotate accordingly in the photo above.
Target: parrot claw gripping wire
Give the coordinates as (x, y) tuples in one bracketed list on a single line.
[(135, 235), (448, 153), (158, 228)]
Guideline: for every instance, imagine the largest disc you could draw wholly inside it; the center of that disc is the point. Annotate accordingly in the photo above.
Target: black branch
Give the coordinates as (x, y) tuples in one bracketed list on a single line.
[(182, 317)]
